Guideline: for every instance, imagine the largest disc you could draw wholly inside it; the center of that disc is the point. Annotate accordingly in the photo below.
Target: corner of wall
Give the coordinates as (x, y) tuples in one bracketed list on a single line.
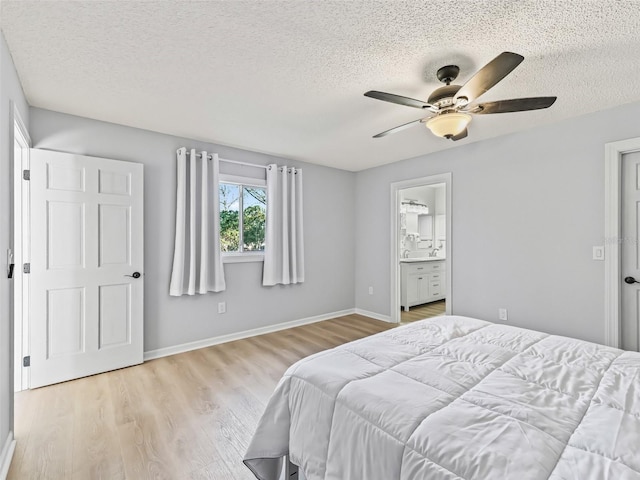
[(11, 93), (6, 455)]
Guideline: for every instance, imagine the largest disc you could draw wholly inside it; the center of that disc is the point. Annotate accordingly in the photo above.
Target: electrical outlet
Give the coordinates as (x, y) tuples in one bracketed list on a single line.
[(370, 290), (222, 307), (502, 314)]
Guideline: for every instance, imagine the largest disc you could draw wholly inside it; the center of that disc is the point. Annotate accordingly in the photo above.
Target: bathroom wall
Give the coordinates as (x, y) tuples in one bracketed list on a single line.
[(434, 197)]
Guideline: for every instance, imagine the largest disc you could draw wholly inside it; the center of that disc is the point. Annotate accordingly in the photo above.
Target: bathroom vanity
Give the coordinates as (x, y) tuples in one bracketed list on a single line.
[(422, 281)]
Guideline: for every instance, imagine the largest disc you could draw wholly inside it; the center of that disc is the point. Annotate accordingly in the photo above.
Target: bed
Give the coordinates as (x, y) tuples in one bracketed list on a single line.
[(455, 398)]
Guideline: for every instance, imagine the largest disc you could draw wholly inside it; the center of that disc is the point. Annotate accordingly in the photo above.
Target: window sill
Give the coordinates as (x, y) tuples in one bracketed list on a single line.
[(243, 257)]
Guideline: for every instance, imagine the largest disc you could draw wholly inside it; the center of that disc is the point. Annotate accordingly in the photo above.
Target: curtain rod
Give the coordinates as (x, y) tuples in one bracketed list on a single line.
[(210, 157)]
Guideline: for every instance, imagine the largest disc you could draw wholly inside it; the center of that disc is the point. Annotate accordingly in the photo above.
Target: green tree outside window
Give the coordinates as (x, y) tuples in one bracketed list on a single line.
[(242, 233)]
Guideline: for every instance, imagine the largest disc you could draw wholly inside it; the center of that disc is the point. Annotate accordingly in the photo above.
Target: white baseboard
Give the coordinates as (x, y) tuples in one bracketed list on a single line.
[(6, 455), (374, 315), (207, 342)]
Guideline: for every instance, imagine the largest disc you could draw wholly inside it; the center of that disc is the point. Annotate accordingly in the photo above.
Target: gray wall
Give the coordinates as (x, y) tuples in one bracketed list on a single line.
[(10, 91), (527, 209), (329, 195)]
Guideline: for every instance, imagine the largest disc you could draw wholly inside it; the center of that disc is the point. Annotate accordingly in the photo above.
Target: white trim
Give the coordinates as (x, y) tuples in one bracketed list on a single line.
[(612, 253), (17, 118), (207, 342), (445, 178), (20, 242), (243, 257), (7, 455), (241, 180), (375, 316)]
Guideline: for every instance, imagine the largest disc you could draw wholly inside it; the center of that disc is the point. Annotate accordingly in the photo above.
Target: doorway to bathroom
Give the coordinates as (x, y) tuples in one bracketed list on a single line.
[(421, 248)]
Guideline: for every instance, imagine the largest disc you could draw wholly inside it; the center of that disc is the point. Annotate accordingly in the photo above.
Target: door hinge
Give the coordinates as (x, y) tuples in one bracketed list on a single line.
[(26, 268), (26, 174), (26, 361)]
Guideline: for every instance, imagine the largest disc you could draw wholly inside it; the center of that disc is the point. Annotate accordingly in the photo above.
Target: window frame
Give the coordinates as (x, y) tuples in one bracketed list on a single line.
[(242, 256)]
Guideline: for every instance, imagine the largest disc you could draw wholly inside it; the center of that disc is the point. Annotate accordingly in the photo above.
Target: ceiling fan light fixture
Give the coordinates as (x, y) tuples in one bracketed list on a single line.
[(448, 124)]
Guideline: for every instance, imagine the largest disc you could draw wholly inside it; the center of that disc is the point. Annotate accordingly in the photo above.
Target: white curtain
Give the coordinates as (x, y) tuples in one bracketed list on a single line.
[(284, 252), (197, 262)]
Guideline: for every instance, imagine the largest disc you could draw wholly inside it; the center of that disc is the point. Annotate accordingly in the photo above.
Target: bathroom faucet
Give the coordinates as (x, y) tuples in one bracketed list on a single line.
[(405, 253), (434, 252)]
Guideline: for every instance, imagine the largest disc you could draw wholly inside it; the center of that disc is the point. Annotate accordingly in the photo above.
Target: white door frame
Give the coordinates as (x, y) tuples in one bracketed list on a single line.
[(395, 234), (614, 152), (20, 225)]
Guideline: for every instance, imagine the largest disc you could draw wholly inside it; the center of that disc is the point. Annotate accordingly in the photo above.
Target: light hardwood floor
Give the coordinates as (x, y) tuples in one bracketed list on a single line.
[(187, 416), (419, 312)]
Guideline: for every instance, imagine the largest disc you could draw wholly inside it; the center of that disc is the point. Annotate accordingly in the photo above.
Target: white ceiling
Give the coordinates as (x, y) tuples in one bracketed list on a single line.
[(288, 77)]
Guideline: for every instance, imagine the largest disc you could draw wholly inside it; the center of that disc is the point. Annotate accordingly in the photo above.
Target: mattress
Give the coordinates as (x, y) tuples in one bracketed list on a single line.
[(455, 398)]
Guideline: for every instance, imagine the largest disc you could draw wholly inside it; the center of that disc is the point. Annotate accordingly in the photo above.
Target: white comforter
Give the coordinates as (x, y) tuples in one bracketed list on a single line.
[(451, 398)]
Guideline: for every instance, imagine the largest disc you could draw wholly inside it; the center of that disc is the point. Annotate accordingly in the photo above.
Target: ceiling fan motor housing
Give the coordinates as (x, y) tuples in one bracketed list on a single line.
[(443, 96)]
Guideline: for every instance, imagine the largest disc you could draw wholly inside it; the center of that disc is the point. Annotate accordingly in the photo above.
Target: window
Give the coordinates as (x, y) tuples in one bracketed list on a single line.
[(243, 208)]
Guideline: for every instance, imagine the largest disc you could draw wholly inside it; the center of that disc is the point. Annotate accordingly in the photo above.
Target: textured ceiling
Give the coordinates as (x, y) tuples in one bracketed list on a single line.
[(288, 77)]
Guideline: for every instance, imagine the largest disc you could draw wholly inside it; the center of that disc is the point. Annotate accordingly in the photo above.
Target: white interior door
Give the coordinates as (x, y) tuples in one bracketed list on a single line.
[(86, 302), (630, 263)]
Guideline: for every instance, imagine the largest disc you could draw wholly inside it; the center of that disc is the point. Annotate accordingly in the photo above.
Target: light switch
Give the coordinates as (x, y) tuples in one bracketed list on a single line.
[(598, 253)]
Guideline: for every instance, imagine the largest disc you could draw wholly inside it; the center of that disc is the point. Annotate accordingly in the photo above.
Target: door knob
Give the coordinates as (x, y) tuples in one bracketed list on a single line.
[(135, 275), (630, 280)]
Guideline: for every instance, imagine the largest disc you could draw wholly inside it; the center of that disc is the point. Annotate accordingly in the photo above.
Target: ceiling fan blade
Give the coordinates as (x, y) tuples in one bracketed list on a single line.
[(397, 129), (390, 97), (513, 105), (489, 75), (460, 136)]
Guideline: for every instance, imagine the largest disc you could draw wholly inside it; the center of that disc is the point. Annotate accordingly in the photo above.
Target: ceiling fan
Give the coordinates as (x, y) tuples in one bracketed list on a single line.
[(452, 104)]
